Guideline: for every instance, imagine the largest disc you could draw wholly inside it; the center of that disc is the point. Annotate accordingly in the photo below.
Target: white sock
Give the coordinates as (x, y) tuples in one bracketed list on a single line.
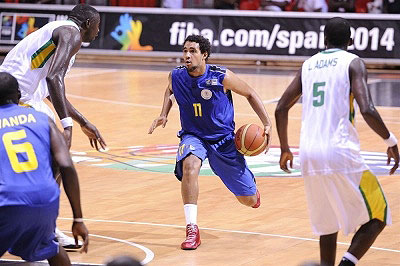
[(350, 257), (190, 213)]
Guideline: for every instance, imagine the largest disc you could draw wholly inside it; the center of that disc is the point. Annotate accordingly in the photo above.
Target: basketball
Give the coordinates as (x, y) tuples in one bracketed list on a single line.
[(250, 140)]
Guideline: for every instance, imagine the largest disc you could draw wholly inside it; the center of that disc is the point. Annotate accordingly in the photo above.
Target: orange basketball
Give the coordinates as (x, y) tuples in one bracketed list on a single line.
[(250, 140)]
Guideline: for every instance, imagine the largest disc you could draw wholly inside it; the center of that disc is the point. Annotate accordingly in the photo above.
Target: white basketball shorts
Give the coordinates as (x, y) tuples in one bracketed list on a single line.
[(344, 202)]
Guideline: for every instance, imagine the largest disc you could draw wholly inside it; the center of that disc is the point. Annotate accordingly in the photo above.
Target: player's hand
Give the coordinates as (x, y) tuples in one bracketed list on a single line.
[(268, 132), (79, 229), (161, 120), (68, 136), (393, 152), (285, 157), (94, 136)]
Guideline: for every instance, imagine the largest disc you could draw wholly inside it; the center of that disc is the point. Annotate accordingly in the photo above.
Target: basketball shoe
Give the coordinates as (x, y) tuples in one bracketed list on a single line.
[(258, 200), (192, 240), (66, 241)]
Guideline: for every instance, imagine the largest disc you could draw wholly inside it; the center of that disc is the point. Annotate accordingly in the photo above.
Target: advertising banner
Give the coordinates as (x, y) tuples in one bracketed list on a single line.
[(234, 33)]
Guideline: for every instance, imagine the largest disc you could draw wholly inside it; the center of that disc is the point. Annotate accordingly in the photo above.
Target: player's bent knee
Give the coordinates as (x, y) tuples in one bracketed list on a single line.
[(249, 201), (191, 166)]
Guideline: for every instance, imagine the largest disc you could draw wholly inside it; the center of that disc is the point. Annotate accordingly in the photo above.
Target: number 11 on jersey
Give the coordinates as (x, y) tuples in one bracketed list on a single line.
[(197, 109)]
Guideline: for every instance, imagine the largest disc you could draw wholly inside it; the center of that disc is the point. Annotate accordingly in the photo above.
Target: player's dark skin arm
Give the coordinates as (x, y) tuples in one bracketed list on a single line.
[(358, 79), (70, 180), (167, 105), (68, 42), (288, 99), (88, 128)]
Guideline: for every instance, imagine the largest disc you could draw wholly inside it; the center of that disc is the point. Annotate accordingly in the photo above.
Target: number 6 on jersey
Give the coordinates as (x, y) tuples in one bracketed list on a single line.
[(13, 149)]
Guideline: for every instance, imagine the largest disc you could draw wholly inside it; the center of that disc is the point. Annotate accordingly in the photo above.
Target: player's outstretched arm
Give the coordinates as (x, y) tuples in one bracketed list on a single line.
[(70, 180), (68, 42), (167, 104), (358, 77), (88, 128), (237, 85), (288, 99)]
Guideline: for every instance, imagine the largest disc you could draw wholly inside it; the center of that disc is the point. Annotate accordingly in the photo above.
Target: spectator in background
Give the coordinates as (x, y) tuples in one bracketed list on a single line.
[(308, 6), (368, 6), (341, 5), (172, 3), (391, 6), (135, 3), (225, 4), (375, 6), (249, 4), (274, 5)]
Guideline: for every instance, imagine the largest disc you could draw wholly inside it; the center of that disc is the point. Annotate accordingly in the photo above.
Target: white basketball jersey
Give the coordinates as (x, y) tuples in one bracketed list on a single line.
[(30, 59), (329, 141)]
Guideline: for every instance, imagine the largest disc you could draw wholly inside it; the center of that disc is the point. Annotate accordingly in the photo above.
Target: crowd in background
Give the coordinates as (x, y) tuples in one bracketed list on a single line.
[(358, 6)]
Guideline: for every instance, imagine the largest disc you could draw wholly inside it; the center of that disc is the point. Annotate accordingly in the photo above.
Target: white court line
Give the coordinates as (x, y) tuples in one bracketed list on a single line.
[(226, 231), (117, 102), (240, 114), (274, 100), (149, 254), (99, 72), (43, 261)]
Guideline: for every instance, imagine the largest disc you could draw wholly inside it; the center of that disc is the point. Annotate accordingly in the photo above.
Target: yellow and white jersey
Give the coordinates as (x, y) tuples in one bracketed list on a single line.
[(30, 59), (329, 141)]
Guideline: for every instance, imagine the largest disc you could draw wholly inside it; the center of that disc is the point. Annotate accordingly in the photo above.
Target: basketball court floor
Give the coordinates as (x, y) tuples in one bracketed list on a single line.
[(131, 199)]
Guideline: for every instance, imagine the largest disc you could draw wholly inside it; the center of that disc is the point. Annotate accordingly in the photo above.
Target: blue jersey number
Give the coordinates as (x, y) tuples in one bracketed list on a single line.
[(13, 149), (197, 109)]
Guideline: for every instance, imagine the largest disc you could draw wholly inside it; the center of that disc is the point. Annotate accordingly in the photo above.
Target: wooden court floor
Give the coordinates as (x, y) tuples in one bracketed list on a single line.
[(131, 199)]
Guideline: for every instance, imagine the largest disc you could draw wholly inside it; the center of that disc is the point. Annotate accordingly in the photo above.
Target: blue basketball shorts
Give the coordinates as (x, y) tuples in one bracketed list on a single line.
[(225, 161), (28, 232)]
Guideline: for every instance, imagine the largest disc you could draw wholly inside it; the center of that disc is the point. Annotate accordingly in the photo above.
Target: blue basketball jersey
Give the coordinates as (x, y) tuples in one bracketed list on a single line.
[(206, 110), (26, 176)]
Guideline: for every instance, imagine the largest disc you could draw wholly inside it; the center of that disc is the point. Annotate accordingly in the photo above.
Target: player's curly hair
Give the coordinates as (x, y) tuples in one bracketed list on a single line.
[(204, 43), (337, 31), (82, 12)]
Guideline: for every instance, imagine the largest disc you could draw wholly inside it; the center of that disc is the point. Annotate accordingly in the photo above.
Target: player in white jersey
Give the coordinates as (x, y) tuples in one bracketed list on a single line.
[(40, 61), (342, 193)]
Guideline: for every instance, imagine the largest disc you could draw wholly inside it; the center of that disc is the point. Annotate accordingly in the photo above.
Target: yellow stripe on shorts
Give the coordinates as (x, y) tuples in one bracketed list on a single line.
[(373, 196), (40, 57), (352, 113), (24, 105)]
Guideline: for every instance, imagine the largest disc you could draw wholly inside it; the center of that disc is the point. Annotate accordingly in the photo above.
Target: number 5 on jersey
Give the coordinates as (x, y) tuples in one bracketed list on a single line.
[(13, 149), (318, 94), (197, 109)]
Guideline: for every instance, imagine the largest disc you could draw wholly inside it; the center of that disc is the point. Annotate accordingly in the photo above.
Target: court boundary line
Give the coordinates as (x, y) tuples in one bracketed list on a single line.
[(149, 254), (97, 72), (225, 231), (45, 261), (359, 119)]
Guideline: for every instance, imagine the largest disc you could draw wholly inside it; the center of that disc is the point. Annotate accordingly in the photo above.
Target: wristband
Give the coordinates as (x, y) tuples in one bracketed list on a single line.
[(66, 122), (78, 220), (391, 141), (172, 98)]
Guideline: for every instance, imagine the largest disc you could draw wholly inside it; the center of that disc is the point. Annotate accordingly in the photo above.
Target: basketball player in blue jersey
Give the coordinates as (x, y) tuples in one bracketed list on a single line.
[(29, 194), (204, 96)]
